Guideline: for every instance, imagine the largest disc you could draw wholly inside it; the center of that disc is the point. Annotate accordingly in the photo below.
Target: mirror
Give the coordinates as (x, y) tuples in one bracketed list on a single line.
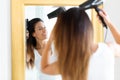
[(33, 12), (18, 30), (42, 13)]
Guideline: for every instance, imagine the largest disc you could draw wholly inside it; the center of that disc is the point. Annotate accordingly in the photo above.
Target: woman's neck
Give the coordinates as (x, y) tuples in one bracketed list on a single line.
[(40, 44)]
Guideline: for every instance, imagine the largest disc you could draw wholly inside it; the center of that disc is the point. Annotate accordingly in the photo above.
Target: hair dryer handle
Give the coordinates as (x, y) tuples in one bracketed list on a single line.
[(101, 18)]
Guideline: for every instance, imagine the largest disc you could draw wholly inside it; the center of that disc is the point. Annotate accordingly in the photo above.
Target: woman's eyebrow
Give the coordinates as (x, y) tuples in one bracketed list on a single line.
[(40, 26)]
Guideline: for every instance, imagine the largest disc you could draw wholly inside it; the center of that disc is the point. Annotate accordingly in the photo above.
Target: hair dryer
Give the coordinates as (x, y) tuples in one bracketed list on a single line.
[(93, 4), (56, 12)]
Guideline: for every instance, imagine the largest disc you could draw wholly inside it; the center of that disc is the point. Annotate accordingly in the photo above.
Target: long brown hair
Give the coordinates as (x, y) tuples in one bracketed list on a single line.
[(31, 41), (73, 34)]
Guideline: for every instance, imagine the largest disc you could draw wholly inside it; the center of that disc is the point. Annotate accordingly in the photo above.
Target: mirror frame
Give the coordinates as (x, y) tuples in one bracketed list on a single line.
[(18, 30)]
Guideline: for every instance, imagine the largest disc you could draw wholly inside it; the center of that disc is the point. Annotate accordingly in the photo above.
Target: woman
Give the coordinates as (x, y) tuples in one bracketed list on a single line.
[(36, 41), (79, 58), (35, 45)]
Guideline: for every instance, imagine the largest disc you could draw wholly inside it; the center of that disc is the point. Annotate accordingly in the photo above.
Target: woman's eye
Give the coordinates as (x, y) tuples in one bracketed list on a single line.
[(40, 28)]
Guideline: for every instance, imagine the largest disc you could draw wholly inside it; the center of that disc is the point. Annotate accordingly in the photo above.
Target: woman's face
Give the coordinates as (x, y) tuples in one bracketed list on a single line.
[(40, 31)]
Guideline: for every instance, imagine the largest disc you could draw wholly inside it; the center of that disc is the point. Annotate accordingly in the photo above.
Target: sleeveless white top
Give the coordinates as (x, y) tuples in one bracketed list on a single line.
[(101, 66), (31, 74), (35, 73), (38, 58), (41, 75)]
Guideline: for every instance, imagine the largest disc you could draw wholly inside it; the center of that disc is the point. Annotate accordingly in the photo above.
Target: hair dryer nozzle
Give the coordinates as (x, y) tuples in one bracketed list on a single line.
[(90, 4), (93, 4), (56, 12)]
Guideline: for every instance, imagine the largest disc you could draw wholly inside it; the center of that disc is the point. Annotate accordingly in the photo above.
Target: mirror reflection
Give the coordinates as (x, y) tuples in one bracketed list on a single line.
[(38, 29)]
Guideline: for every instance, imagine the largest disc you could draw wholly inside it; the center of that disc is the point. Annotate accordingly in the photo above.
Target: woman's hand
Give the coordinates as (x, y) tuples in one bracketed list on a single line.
[(105, 17), (115, 32)]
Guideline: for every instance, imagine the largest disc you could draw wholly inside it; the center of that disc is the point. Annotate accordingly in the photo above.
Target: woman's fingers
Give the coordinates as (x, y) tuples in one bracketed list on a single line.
[(102, 14), (105, 16)]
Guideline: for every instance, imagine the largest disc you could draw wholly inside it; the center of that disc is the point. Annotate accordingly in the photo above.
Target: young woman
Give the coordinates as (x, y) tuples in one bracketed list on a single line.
[(79, 58), (35, 45)]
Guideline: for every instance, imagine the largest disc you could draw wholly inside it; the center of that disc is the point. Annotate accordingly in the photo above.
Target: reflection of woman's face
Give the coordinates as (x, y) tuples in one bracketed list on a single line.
[(40, 31)]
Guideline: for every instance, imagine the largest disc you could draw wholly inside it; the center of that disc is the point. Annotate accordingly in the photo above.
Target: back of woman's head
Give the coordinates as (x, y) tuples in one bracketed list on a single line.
[(73, 34), (31, 41)]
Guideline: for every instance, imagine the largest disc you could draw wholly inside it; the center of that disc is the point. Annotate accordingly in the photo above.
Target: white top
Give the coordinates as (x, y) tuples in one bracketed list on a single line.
[(35, 73), (101, 66), (31, 74), (38, 58), (44, 76)]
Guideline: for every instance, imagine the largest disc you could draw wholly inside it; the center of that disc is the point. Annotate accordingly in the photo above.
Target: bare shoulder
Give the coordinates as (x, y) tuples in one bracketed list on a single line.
[(51, 69), (111, 45), (115, 48)]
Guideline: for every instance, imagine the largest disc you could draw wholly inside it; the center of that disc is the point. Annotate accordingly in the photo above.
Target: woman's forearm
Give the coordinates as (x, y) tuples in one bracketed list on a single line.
[(46, 55), (115, 32)]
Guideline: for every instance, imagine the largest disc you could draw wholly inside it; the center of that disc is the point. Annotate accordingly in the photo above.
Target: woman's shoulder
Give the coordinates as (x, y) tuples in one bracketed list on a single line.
[(111, 47), (115, 48), (96, 47), (103, 45), (102, 48)]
